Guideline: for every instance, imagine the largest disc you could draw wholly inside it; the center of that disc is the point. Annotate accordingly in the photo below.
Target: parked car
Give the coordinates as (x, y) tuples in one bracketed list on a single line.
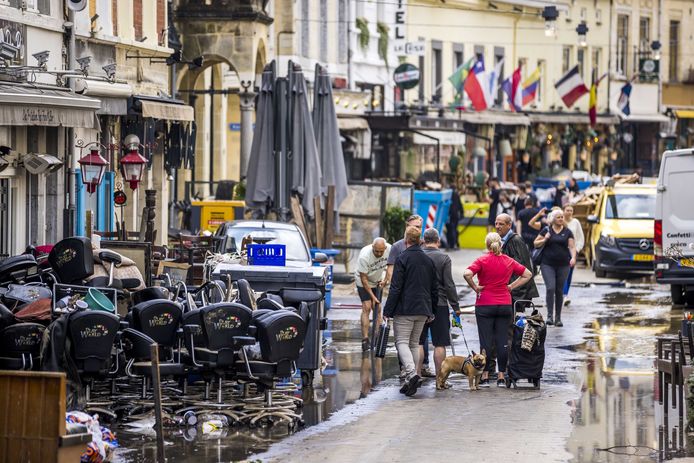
[(621, 236), (674, 225), (231, 234)]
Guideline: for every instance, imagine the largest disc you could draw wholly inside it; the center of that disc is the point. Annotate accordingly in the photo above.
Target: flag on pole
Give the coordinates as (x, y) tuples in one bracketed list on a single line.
[(530, 86), (571, 87), (593, 101), (623, 102), (513, 90), (494, 83), (457, 79), (475, 85)]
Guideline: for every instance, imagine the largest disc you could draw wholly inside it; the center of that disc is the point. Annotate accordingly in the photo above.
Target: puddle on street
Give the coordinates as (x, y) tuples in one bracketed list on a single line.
[(617, 406), (348, 376)]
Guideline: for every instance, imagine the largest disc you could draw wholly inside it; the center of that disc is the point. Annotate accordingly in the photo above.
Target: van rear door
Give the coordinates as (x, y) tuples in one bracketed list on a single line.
[(676, 203)]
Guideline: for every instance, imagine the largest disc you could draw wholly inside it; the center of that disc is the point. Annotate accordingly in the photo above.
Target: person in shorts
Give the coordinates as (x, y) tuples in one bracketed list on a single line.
[(447, 295), (370, 279)]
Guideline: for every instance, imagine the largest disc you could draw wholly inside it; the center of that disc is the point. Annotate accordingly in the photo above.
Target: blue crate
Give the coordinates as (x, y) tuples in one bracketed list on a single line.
[(267, 254)]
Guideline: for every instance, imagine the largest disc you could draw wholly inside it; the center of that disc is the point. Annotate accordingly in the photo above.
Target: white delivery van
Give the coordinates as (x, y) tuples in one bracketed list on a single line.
[(674, 225)]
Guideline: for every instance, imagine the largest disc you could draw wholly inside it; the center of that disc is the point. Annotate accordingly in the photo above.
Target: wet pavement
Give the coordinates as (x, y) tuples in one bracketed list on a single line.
[(605, 355)]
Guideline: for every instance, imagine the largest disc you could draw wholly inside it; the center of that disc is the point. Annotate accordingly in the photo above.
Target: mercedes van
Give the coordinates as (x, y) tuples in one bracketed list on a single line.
[(673, 231)]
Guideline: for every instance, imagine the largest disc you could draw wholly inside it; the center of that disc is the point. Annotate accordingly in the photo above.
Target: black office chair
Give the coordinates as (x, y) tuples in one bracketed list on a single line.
[(280, 335), (93, 334), (156, 321)]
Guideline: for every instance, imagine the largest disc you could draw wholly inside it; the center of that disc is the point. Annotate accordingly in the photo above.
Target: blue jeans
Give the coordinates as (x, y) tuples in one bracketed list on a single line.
[(567, 285)]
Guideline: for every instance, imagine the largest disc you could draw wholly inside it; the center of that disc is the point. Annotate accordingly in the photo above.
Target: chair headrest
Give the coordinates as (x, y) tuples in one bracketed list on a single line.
[(92, 333), (271, 304), (281, 336), (221, 322), (22, 338), (159, 319)]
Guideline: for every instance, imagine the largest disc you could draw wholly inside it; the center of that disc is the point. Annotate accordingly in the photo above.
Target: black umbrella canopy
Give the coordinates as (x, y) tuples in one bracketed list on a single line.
[(305, 163), (328, 137), (260, 178)]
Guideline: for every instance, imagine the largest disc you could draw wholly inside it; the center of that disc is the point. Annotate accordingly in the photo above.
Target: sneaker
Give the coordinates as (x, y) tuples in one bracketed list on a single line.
[(402, 375), (559, 323), (427, 373), (412, 385), (405, 387), (365, 344), (420, 382), (549, 321), (484, 382)]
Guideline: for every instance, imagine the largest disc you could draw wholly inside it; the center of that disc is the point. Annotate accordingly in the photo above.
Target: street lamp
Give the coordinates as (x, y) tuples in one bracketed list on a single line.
[(133, 163), (582, 31), (92, 167), (550, 14), (655, 46)]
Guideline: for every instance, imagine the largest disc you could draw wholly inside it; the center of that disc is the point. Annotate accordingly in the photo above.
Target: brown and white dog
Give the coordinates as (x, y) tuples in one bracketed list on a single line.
[(471, 366)]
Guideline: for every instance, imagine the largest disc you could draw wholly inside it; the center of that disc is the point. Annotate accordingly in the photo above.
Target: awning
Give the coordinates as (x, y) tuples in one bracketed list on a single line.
[(352, 123), (444, 138), (167, 111), (684, 113), (654, 117), (578, 118), (26, 105), (494, 117)]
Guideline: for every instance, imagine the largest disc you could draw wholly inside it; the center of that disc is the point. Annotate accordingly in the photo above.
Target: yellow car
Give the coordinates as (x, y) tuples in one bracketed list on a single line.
[(621, 235)]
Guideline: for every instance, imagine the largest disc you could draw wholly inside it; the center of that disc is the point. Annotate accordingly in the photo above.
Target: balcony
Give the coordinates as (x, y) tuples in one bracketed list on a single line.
[(229, 10)]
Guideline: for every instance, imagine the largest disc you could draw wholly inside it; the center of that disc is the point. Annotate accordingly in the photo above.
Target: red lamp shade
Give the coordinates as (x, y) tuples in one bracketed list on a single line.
[(92, 167), (132, 165)]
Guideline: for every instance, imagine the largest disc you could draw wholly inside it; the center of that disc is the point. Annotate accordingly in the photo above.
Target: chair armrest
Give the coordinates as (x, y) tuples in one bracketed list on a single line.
[(243, 341), (191, 329), (123, 325), (137, 344), (253, 331)]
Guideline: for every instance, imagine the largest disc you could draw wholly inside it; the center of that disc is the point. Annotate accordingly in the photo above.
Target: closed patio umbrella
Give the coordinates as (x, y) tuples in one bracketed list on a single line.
[(328, 137), (305, 163), (260, 177)]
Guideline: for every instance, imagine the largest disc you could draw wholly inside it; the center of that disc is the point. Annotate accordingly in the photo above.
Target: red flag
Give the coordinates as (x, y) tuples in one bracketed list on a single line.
[(473, 86)]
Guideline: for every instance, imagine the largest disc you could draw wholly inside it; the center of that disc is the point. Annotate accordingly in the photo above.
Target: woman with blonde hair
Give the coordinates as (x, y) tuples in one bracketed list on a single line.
[(558, 256), (493, 309)]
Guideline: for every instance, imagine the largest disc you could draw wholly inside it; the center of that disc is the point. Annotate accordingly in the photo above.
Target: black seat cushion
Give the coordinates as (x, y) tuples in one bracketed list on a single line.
[(144, 368), (149, 294), (93, 333), (13, 264), (158, 319), (269, 303)]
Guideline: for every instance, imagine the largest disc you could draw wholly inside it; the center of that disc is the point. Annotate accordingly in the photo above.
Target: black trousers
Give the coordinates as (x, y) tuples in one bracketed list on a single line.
[(493, 323)]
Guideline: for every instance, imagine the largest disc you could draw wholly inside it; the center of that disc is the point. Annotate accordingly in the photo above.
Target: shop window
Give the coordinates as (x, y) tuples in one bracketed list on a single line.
[(565, 59), (622, 44), (674, 52)]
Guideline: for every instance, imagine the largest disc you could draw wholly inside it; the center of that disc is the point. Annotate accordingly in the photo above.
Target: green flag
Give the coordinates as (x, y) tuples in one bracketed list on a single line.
[(459, 75)]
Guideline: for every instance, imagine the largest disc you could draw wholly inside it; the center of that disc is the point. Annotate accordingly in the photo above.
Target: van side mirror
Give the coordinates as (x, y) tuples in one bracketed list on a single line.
[(320, 258), (593, 219)]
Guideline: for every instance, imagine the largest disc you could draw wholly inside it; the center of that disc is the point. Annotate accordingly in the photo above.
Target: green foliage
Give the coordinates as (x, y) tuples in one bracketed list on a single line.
[(383, 31), (394, 223), (240, 191), (364, 36)]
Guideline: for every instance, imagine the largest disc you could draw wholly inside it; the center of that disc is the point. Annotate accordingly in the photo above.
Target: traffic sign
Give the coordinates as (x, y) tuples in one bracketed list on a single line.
[(406, 76), (119, 198)]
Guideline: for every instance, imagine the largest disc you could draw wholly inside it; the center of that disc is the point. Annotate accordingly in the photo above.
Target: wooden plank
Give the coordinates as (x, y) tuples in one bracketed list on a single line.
[(319, 222), (330, 218), (298, 214)]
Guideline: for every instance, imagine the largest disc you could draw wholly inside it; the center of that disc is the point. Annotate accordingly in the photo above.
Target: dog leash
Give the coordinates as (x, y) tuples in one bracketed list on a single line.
[(458, 323)]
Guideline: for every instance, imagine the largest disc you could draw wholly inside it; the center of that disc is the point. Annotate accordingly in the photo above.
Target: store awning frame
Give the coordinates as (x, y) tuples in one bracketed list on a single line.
[(646, 118), (24, 105), (684, 113), (352, 123), (568, 118), (167, 111)]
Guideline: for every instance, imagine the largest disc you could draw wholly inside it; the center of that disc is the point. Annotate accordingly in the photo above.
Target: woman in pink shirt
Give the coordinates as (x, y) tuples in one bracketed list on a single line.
[(493, 309)]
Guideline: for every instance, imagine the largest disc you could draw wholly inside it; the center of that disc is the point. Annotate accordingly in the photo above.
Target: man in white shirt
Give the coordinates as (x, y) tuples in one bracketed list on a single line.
[(370, 280)]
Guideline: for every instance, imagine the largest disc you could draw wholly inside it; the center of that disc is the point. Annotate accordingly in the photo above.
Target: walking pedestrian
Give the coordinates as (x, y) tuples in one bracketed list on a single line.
[(370, 279), (493, 309), (454, 214), (527, 233), (413, 296), (441, 325), (493, 200), (514, 246), (573, 224), (558, 256), (398, 247)]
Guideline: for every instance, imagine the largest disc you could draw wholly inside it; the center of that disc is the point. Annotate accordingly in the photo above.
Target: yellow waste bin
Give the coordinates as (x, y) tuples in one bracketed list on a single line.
[(212, 213), (472, 229)]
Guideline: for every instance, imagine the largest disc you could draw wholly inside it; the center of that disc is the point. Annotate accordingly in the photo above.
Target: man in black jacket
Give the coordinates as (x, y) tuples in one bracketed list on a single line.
[(514, 246), (448, 295), (412, 299)]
